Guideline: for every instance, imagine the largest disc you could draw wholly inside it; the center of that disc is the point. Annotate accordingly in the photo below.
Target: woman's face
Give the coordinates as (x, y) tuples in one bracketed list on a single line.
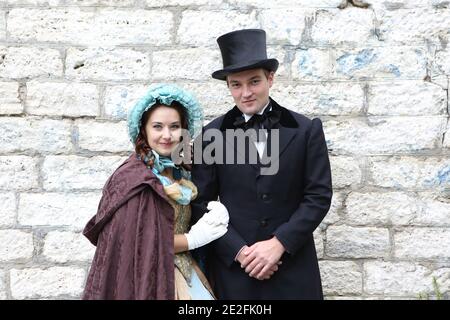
[(163, 130)]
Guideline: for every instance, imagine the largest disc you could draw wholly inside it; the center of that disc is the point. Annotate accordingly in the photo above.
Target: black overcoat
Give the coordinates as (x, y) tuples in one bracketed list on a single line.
[(289, 205)]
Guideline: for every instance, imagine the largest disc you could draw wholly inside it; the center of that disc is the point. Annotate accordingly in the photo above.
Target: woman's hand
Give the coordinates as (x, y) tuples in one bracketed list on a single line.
[(211, 226)]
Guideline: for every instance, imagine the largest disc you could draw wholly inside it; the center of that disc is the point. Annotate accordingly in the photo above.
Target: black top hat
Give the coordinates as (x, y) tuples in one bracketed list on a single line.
[(243, 50)]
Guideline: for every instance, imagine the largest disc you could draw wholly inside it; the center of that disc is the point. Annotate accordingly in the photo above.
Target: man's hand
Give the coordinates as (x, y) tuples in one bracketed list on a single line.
[(240, 258), (261, 260)]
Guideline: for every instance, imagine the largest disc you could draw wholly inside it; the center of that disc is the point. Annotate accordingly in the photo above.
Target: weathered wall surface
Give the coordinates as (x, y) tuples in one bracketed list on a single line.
[(377, 76)]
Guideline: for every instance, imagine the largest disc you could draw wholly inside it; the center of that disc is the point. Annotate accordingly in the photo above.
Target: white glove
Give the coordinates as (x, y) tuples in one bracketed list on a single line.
[(218, 214), (210, 227)]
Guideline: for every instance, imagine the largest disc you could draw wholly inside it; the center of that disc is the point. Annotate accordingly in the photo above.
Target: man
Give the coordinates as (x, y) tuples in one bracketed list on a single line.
[(268, 251)]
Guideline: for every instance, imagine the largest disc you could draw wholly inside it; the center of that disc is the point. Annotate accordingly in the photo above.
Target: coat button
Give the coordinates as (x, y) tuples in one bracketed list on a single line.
[(263, 223)]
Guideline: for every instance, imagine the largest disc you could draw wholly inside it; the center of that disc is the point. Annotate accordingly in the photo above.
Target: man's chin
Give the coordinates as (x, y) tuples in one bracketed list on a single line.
[(248, 109)]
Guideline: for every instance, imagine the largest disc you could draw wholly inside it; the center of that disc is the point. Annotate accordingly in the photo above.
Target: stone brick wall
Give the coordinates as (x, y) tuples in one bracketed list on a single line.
[(377, 76)]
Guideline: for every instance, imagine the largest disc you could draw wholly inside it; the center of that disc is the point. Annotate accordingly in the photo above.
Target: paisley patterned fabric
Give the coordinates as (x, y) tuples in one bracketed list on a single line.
[(133, 232)]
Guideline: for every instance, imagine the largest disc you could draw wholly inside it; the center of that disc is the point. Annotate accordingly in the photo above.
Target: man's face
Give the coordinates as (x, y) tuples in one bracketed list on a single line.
[(250, 89)]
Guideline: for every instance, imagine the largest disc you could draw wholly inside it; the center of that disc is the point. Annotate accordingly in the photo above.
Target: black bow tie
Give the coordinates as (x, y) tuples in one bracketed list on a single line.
[(267, 120)]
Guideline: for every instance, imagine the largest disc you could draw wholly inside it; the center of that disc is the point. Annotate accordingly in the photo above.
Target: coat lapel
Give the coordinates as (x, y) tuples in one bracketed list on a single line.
[(286, 135)]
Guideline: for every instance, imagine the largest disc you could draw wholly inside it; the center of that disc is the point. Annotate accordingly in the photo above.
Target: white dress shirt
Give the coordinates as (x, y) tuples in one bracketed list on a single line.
[(262, 144)]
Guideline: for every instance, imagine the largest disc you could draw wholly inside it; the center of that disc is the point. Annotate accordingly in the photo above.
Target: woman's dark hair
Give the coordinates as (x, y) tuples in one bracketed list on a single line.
[(142, 148)]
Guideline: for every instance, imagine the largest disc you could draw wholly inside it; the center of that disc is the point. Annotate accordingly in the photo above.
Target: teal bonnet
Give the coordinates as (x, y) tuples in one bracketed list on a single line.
[(165, 94)]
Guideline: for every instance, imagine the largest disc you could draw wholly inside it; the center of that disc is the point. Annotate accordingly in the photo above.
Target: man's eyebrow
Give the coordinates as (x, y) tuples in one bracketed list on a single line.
[(252, 78)]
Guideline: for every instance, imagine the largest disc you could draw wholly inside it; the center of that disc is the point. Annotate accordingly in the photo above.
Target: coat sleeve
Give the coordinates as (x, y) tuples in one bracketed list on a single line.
[(206, 180), (317, 193)]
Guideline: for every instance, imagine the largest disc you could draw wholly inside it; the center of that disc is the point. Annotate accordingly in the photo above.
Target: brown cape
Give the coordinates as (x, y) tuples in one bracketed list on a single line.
[(133, 232)]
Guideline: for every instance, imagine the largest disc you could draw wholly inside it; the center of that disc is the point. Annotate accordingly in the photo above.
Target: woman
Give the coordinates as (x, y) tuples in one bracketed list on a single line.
[(141, 225)]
